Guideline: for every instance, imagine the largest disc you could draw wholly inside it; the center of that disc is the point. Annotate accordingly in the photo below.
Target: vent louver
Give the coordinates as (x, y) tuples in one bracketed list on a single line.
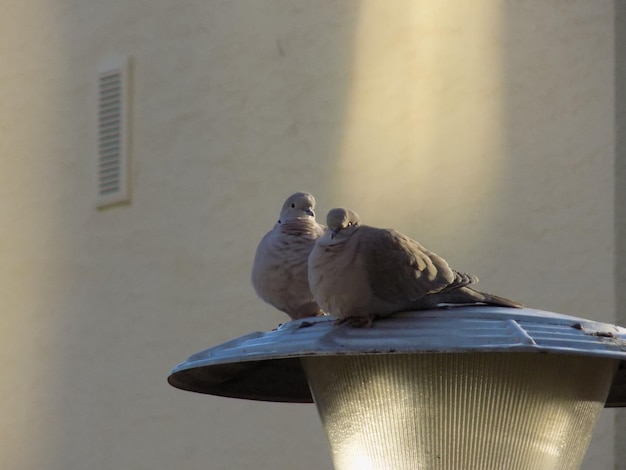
[(113, 135)]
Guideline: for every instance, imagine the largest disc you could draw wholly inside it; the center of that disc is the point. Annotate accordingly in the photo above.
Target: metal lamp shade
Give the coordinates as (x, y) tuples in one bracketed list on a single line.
[(459, 411)]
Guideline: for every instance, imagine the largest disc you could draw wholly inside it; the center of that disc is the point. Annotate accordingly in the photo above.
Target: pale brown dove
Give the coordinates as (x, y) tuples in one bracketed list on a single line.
[(279, 272), (357, 273)]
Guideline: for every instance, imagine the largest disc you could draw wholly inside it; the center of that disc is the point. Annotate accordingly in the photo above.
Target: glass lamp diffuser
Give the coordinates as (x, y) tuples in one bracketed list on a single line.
[(459, 411)]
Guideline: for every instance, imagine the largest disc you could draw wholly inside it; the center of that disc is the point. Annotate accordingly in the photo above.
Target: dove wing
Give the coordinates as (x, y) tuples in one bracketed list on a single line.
[(400, 269)]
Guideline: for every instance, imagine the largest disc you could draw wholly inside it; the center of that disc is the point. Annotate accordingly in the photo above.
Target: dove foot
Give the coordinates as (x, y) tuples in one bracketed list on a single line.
[(357, 322)]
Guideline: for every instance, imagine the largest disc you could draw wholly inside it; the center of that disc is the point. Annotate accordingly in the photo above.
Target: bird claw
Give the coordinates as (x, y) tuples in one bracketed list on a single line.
[(357, 322)]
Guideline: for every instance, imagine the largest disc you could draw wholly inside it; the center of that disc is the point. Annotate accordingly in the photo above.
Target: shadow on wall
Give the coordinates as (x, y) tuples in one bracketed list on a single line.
[(620, 159), (620, 200), (558, 192)]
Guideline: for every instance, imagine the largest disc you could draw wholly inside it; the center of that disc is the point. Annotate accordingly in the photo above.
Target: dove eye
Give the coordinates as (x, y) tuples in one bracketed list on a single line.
[(293, 204)]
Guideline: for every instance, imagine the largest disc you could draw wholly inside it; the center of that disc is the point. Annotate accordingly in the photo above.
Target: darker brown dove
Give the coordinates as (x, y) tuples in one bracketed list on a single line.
[(357, 272)]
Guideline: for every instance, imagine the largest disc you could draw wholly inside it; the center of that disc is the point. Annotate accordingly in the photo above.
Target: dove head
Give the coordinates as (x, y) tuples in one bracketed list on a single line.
[(298, 206), (342, 222)]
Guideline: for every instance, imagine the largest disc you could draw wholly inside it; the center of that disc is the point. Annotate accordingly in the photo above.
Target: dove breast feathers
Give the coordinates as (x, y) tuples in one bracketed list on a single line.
[(279, 273)]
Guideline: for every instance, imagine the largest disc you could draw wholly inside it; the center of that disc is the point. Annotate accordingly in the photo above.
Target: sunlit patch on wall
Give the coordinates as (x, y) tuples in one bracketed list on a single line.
[(423, 124)]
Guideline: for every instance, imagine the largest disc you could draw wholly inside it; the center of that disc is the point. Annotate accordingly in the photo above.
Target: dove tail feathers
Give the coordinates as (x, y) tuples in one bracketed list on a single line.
[(498, 301), (490, 299), (462, 296)]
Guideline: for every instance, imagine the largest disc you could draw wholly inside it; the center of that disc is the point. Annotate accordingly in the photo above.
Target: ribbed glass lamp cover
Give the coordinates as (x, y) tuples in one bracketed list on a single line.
[(459, 410)]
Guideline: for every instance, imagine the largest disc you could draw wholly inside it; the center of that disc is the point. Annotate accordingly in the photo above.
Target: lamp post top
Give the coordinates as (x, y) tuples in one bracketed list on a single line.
[(267, 366)]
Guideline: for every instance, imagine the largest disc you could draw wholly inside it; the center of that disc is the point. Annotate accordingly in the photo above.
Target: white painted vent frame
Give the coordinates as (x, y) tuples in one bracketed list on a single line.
[(113, 116)]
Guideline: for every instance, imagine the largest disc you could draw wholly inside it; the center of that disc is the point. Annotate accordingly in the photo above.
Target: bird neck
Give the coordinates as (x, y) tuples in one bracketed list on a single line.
[(299, 226)]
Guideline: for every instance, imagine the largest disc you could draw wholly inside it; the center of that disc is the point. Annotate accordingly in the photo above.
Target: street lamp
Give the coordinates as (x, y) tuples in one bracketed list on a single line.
[(465, 387)]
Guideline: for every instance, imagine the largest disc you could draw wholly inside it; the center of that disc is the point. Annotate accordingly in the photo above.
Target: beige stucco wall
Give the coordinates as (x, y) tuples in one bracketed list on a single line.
[(483, 129)]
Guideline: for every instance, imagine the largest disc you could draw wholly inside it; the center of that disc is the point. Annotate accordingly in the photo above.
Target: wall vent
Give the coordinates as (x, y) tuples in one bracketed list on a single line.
[(113, 135)]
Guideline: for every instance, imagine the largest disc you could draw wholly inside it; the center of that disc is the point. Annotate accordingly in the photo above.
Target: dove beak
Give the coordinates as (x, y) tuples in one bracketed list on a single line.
[(310, 212), (333, 233)]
